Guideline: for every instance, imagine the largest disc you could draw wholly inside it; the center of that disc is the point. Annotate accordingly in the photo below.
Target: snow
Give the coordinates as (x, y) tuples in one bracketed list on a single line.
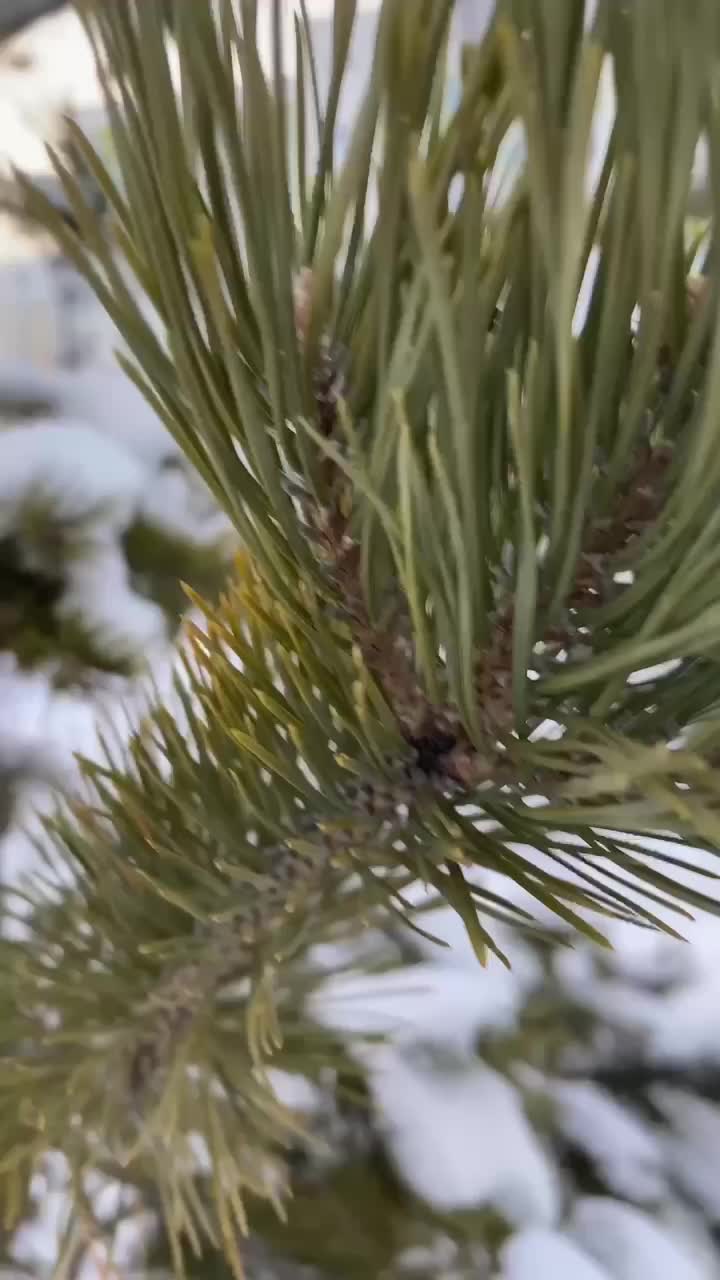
[(95, 482), (115, 1206), (692, 1145), (628, 1153), (630, 1244), (99, 597), (19, 140), (687, 1028), (678, 1027), (104, 397), (34, 1242), (295, 1091), (69, 82), (585, 292), (70, 466), (24, 746), (435, 1003), (179, 503), (94, 486), (459, 1137), (60, 721), (536, 1254)]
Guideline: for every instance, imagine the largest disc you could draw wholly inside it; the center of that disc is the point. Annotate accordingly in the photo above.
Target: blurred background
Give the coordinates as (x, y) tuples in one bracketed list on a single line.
[(557, 1122)]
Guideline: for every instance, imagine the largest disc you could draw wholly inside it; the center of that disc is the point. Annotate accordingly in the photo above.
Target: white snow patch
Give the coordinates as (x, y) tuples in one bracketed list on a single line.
[(693, 1145), (24, 752), (509, 163), (702, 958), (585, 292), (629, 1243), (178, 503), (20, 144), (34, 1243), (686, 1026), (99, 596), (95, 487), (430, 1002), (47, 70), (640, 955), (657, 672), (535, 1254), (460, 1138), (602, 125), (130, 1239), (295, 1091), (615, 1002), (625, 1149), (102, 397), (547, 730), (55, 724), (72, 467)]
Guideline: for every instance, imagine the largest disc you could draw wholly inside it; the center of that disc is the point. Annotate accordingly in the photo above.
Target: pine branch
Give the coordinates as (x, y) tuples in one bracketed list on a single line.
[(465, 511)]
